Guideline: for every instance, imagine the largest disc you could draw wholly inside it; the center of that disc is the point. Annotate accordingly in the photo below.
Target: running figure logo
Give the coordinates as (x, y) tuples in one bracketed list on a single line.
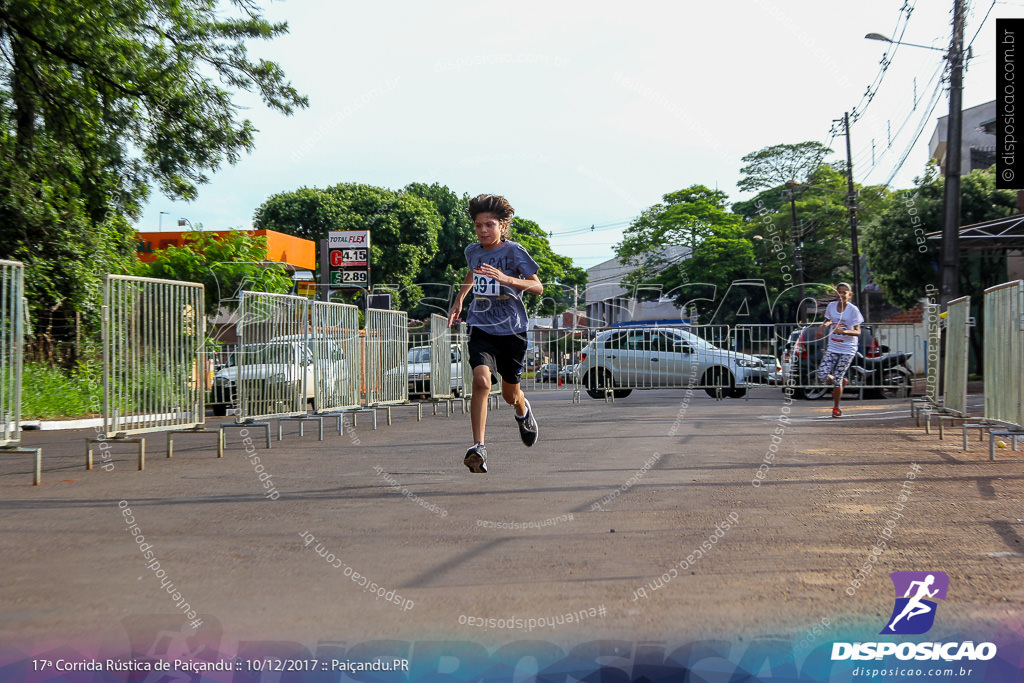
[(914, 611)]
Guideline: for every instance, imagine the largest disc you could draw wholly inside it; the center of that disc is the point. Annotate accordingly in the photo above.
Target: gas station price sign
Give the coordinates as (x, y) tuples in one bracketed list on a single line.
[(349, 259)]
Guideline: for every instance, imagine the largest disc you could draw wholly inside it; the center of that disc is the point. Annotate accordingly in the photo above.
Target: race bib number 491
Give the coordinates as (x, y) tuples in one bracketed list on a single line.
[(485, 286)]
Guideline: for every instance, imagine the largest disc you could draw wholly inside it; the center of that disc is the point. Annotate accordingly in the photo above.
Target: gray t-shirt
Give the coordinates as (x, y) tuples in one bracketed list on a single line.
[(499, 309)]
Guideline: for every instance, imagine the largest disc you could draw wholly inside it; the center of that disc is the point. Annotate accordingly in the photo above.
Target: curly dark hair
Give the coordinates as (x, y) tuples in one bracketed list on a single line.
[(491, 203)]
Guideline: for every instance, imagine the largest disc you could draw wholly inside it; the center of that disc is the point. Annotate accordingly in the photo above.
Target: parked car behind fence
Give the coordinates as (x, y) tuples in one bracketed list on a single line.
[(622, 360)]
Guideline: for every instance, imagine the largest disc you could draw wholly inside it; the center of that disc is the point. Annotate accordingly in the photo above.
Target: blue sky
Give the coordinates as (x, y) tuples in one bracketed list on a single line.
[(584, 113)]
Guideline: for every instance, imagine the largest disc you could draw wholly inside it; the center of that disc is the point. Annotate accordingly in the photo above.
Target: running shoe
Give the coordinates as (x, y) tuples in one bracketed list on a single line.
[(527, 426), (476, 459), (836, 412)]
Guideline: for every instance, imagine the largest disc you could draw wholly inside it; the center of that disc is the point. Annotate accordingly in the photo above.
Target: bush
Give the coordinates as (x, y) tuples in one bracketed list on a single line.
[(49, 391)]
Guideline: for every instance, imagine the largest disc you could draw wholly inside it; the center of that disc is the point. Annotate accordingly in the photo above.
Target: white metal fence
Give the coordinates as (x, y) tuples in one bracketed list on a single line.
[(933, 342), (444, 378), (722, 360), (334, 341), (387, 370), (12, 339), (154, 359), (12, 352), (274, 366), (954, 371), (1004, 353)]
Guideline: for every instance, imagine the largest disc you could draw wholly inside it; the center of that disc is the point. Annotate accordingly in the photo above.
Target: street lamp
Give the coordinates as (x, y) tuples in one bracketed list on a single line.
[(182, 222), (879, 36), (160, 221), (950, 253)]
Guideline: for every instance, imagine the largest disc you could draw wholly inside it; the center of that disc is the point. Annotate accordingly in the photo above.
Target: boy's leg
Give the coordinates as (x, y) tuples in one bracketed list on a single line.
[(478, 402), (514, 396)]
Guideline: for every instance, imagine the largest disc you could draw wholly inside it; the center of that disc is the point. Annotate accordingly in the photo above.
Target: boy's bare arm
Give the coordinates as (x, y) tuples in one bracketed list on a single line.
[(456, 309)]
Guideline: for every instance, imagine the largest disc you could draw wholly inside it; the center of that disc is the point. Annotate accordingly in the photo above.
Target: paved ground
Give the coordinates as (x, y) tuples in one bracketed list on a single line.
[(603, 519)]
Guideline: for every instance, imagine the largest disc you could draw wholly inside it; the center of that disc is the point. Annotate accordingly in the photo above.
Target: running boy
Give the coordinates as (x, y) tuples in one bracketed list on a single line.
[(500, 270), (845, 319)]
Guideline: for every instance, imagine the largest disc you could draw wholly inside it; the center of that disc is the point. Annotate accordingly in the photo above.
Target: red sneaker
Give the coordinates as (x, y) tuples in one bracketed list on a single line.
[(836, 412)]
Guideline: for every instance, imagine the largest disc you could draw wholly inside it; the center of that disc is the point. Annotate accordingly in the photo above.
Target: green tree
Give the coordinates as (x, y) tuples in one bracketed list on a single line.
[(716, 251), (779, 164), (100, 100), (822, 232), (904, 263), (308, 212), (556, 272), (442, 276), (225, 265), (685, 218), (403, 229)]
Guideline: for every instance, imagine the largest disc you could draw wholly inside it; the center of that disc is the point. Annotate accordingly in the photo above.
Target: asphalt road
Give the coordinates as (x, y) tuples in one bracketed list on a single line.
[(654, 517)]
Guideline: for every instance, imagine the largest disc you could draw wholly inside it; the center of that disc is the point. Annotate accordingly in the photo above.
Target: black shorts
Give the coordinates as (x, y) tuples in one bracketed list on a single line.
[(502, 353)]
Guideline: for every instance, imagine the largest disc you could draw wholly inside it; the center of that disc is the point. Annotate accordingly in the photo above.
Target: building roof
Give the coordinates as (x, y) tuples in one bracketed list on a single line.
[(603, 280), (914, 315), (1001, 233)]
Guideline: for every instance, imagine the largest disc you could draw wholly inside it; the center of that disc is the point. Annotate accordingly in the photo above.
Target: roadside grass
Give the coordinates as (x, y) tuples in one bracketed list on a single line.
[(49, 392)]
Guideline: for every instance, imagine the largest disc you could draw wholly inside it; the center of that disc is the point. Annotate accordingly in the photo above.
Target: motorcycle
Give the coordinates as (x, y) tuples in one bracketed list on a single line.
[(887, 376)]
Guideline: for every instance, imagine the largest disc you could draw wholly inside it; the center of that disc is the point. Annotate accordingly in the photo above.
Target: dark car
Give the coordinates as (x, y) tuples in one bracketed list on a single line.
[(548, 373), (803, 353)]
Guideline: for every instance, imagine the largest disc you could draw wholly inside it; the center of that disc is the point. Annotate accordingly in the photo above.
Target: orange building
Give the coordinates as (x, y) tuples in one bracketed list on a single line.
[(295, 252)]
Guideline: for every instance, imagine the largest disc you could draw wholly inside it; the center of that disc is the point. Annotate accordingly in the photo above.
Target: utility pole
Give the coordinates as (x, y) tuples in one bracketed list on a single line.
[(797, 249), (950, 283), (851, 203)]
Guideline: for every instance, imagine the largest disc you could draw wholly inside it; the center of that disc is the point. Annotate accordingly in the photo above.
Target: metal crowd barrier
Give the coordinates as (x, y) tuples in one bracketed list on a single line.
[(933, 345), (551, 354), (901, 338), (154, 361), (621, 360), (12, 353), (952, 404), (728, 361), (1004, 361), (954, 372), (274, 362), (441, 358), (334, 339), (386, 354)]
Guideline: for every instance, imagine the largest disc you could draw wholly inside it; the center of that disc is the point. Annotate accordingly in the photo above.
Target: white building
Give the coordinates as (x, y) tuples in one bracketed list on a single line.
[(978, 139), (609, 302)]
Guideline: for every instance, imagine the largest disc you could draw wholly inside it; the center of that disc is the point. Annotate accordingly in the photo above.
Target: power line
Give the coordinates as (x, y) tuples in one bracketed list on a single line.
[(981, 24), (869, 94), (924, 122), (934, 80), (593, 228), (890, 53)]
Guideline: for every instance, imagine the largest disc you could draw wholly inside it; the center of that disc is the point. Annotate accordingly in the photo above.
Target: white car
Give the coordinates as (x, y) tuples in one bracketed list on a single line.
[(663, 358), (420, 368), (281, 376)]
